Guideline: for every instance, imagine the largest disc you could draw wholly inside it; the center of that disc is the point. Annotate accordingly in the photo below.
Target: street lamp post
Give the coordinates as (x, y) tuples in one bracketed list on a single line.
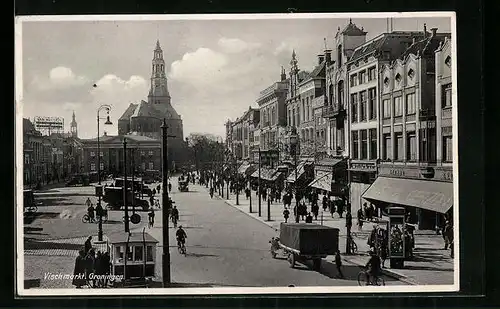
[(165, 210), (237, 183), (250, 188), (294, 144), (108, 122), (127, 221), (259, 188)]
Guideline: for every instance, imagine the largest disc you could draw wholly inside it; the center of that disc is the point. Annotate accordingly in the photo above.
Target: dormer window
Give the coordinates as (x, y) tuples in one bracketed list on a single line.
[(386, 81), (447, 61), (411, 73), (398, 78)]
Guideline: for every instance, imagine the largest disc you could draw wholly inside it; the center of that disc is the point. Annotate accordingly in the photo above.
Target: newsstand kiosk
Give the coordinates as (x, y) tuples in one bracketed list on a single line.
[(396, 236)]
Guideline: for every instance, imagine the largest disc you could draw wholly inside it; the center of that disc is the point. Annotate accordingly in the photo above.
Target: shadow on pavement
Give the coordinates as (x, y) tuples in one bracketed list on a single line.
[(412, 267), (112, 222), (33, 231), (200, 254), (31, 244), (59, 193), (54, 201), (31, 217)]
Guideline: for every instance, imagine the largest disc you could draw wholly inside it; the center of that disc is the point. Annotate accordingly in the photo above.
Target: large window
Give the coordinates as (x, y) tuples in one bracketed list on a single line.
[(371, 74), (427, 145), (386, 108), (398, 107), (341, 94), (373, 144), (151, 166), (446, 96), (372, 107), (354, 80), (447, 149), (355, 144), (362, 77), (363, 105), (354, 107), (411, 146), (364, 144), (410, 104), (92, 166), (399, 147), (387, 147), (101, 166)]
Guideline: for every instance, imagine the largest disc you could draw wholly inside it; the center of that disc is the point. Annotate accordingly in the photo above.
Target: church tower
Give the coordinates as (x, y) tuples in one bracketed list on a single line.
[(158, 93), (73, 126)]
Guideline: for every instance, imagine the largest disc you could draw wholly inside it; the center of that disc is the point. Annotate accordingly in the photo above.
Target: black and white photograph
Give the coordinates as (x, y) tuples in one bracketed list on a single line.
[(236, 154)]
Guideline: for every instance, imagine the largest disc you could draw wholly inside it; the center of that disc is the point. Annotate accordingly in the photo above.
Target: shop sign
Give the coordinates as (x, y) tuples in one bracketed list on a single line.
[(363, 166)]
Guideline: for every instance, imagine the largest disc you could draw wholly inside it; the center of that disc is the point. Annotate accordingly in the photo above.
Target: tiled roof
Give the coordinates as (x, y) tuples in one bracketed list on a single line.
[(427, 45), (352, 29), (145, 109), (107, 138), (317, 70), (140, 138), (128, 112)]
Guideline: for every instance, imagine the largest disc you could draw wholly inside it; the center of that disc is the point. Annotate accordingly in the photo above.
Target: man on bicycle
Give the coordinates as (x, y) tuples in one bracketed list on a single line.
[(91, 213), (181, 237), (175, 215), (373, 267)]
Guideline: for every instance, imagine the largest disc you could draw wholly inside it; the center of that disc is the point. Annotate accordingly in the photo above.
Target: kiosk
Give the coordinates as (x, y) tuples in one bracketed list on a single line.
[(396, 236), (140, 260)]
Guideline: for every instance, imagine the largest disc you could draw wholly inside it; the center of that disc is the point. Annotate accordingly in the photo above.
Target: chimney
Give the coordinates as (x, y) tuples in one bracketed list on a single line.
[(328, 56), (283, 74), (425, 30), (434, 31), (321, 59)]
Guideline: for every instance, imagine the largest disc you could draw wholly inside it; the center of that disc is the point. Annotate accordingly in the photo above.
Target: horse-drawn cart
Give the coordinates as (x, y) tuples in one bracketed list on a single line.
[(306, 241)]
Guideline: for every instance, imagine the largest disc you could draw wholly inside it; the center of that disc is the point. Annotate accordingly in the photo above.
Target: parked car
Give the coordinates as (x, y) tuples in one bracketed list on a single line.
[(79, 179)]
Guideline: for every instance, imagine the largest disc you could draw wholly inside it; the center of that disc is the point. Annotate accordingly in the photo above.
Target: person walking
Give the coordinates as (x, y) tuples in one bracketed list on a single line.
[(286, 214), (309, 218), (88, 244), (151, 217), (79, 270), (338, 264), (325, 202), (360, 218)]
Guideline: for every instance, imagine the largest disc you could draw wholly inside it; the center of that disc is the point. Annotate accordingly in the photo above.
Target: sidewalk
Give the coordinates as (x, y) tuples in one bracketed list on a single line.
[(432, 264)]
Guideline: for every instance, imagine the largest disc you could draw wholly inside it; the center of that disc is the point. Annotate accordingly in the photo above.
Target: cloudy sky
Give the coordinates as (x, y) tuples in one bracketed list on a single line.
[(216, 68)]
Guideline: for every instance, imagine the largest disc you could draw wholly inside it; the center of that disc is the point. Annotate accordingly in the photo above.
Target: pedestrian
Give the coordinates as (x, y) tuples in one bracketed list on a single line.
[(315, 210), (88, 244), (348, 220), (338, 264), (152, 200), (340, 207), (91, 212), (332, 207), (99, 211), (90, 266), (286, 214), (309, 218), (211, 192), (169, 187), (247, 193), (384, 248), (360, 218), (79, 271), (151, 216), (264, 194), (446, 234), (325, 202), (88, 202)]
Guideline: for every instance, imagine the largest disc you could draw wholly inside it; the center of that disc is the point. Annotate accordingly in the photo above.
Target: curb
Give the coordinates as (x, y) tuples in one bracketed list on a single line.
[(248, 214), (385, 271)]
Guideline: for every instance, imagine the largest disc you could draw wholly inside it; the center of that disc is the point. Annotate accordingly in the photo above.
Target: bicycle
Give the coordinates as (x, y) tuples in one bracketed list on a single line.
[(86, 219), (374, 280)]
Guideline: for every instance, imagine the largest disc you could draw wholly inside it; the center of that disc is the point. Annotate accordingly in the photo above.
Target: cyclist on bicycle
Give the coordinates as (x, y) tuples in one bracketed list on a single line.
[(181, 236), (91, 213), (373, 267), (175, 215)]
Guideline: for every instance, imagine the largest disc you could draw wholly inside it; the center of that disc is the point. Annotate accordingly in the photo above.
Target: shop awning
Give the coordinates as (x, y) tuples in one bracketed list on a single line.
[(275, 175), (430, 195), (323, 181), (265, 173), (246, 169), (300, 171)]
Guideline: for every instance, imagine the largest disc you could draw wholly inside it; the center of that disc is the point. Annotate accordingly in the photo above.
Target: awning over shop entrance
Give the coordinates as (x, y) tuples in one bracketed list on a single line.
[(246, 169), (323, 181), (265, 173), (300, 171), (276, 174), (430, 195)]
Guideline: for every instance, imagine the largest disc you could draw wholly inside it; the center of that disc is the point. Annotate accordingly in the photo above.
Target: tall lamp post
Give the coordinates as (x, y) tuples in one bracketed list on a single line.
[(259, 188), (107, 108), (127, 221), (294, 143), (237, 183), (166, 207)]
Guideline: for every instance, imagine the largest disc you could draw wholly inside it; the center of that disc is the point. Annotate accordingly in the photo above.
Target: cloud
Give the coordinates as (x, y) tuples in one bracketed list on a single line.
[(84, 99), (201, 67), (59, 78), (234, 46)]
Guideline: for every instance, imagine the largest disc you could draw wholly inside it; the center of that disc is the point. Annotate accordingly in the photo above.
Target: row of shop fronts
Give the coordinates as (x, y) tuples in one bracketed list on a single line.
[(424, 191)]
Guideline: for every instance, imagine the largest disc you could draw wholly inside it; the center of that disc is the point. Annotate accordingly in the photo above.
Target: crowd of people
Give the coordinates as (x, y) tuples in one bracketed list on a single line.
[(91, 262)]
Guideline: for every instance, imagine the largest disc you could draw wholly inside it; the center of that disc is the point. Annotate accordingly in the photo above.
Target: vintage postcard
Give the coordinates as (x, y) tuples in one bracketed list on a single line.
[(248, 154)]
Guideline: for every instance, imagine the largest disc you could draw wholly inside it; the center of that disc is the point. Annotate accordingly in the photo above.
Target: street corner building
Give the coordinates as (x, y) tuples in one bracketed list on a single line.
[(141, 125)]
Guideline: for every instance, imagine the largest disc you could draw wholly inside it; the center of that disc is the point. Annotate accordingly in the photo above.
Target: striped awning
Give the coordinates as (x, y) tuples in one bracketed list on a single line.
[(322, 181), (300, 171)]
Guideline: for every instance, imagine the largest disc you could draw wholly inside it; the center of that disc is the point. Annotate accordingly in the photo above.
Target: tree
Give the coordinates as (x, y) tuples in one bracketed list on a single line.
[(205, 150)]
